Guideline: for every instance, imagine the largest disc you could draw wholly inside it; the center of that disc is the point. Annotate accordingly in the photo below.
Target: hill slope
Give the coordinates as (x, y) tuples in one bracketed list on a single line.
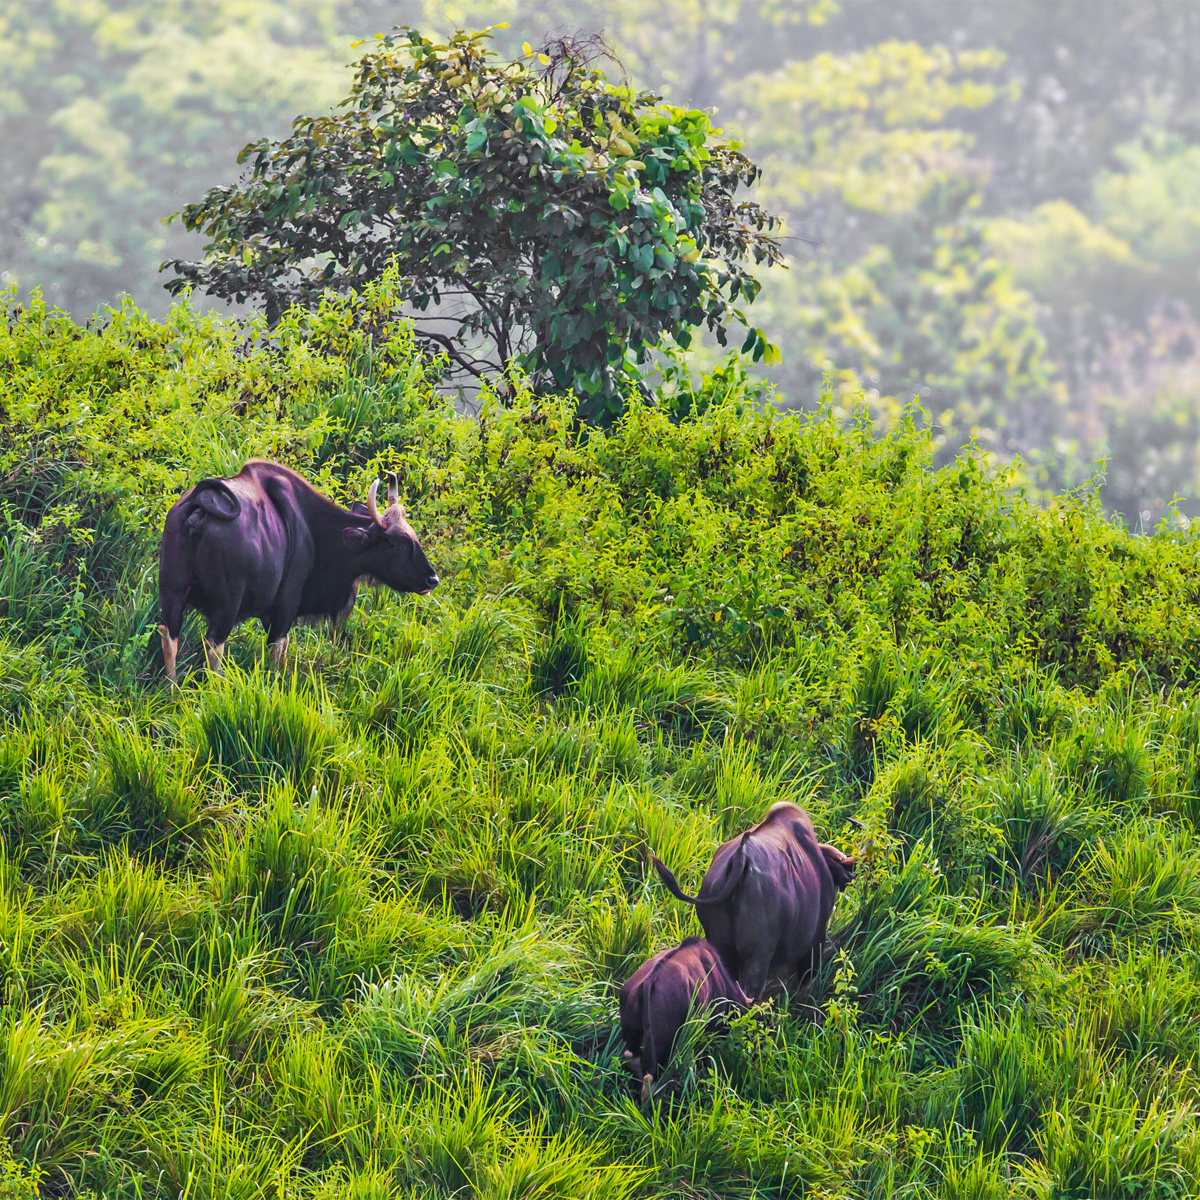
[(354, 929)]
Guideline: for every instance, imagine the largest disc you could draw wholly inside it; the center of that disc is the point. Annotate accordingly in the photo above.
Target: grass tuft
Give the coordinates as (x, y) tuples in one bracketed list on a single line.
[(256, 729), (298, 873)]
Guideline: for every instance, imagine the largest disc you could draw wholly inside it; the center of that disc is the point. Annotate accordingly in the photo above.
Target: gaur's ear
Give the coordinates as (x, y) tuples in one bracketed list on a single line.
[(359, 509), (355, 538)]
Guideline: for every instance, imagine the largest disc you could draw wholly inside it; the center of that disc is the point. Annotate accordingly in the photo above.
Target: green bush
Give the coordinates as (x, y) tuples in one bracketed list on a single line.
[(357, 927)]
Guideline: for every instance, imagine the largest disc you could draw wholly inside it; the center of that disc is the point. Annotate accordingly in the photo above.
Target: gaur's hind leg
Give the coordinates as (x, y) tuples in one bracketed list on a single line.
[(219, 627), (822, 949), (808, 967), (170, 651), (172, 607)]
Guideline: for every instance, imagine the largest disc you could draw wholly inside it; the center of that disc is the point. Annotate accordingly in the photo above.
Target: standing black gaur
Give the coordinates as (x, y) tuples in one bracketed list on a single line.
[(265, 543), (766, 899)]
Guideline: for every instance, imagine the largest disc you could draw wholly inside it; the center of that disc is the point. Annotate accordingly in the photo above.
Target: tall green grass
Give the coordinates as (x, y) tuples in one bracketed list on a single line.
[(357, 927)]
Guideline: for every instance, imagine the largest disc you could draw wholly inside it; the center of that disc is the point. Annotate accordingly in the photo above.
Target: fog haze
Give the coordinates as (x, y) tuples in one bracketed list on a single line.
[(993, 208)]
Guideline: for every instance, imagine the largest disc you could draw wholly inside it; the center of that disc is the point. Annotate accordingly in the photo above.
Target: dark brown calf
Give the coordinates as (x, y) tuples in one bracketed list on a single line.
[(657, 998), (766, 900)]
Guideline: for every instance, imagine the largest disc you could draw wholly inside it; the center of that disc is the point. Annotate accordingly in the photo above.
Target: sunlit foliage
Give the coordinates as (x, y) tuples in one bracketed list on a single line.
[(353, 928)]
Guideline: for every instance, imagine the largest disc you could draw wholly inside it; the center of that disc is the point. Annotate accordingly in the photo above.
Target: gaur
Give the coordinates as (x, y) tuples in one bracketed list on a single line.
[(657, 998), (766, 900), (265, 543)]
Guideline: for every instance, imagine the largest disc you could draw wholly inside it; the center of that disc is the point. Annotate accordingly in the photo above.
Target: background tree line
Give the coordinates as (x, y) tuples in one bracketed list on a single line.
[(993, 207)]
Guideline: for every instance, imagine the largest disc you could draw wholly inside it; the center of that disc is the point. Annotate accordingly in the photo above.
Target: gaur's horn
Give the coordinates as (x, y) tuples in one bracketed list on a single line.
[(372, 506), (393, 490)]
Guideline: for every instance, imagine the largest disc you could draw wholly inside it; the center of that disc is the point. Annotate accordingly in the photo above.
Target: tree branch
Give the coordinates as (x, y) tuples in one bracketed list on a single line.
[(467, 362)]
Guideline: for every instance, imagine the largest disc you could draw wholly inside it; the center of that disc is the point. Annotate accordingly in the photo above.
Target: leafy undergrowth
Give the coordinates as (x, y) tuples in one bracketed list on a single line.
[(355, 929)]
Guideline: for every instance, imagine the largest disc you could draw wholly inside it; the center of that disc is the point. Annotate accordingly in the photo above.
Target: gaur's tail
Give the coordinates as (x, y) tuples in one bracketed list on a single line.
[(739, 998), (217, 499), (735, 877)]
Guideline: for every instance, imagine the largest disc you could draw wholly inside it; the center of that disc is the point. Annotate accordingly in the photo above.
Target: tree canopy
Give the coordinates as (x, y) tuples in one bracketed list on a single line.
[(967, 188), (537, 214)]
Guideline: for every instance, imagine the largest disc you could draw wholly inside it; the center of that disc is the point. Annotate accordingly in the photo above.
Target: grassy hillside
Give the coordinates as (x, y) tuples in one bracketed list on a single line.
[(355, 929)]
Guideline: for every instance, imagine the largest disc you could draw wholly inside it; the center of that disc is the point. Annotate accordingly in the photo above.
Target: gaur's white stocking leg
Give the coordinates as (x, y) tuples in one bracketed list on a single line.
[(647, 1083), (170, 651), (279, 651), (215, 656), (754, 974), (807, 971)]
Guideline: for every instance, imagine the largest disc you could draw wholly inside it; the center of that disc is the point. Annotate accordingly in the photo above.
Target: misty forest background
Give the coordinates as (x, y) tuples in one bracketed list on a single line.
[(993, 207)]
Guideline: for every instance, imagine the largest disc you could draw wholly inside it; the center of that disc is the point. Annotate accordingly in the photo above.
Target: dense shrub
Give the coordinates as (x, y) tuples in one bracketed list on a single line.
[(355, 928)]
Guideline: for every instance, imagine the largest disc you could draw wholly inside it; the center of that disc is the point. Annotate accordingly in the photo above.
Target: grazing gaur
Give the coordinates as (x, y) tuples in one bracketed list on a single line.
[(766, 900), (657, 998), (265, 543)]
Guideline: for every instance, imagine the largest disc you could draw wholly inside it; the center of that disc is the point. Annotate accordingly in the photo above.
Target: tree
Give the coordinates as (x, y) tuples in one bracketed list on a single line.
[(538, 215), (1118, 288)]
